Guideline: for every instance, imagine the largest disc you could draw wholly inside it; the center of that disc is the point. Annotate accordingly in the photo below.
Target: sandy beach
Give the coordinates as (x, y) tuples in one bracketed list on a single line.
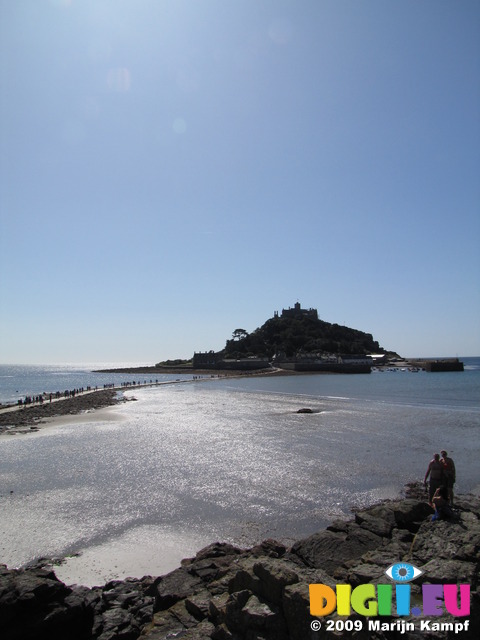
[(24, 419), (145, 550), (16, 419)]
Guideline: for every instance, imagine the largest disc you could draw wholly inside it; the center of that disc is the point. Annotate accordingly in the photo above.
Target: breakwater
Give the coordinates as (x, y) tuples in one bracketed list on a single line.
[(436, 365)]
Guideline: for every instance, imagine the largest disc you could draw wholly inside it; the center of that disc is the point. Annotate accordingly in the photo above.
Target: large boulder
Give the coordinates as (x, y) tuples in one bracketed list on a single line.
[(175, 586), (34, 605), (329, 549)]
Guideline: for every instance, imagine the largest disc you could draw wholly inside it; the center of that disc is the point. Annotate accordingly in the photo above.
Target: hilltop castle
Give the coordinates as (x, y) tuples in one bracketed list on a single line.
[(297, 312)]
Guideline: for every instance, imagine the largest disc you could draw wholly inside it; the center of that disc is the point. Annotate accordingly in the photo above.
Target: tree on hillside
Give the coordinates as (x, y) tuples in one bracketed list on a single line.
[(239, 334)]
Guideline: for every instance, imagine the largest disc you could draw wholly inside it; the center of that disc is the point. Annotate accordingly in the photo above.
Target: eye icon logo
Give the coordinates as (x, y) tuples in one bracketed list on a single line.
[(403, 572)]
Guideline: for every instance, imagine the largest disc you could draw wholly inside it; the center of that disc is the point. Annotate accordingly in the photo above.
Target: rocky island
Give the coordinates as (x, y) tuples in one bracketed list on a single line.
[(262, 593), (296, 341)]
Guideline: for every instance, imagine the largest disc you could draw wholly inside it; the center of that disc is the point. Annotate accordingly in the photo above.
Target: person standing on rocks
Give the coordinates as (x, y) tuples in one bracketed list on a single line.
[(449, 474), (443, 510), (435, 471)]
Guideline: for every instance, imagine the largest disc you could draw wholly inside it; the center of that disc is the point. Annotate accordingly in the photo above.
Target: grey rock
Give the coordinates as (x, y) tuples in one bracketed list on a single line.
[(221, 632), (198, 605), (217, 608), (441, 571), (274, 576), (164, 626), (328, 549), (218, 549), (180, 611), (116, 617), (173, 587), (363, 573), (376, 525), (459, 539), (227, 593), (245, 579), (203, 631), (296, 610), (270, 548), (234, 606), (257, 614), (410, 512)]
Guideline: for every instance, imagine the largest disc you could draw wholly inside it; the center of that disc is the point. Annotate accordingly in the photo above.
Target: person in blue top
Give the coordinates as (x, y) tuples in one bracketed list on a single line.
[(443, 511)]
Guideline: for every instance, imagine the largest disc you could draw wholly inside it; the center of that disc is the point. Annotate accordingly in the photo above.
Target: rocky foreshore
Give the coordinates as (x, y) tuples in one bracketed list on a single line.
[(30, 416), (262, 593)]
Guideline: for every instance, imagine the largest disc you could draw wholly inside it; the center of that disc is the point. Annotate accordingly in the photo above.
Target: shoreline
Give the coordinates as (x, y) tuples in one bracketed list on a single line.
[(22, 419), (210, 373), (113, 558), (225, 591), (28, 419), (411, 364)]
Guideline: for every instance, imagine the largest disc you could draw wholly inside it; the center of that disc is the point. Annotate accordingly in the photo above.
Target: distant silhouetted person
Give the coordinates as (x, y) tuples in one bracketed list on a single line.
[(435, 471), (449, 474)]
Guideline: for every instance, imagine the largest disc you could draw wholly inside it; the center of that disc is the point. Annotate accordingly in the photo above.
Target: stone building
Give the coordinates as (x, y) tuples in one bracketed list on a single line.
[(298, 312), (206, 360)]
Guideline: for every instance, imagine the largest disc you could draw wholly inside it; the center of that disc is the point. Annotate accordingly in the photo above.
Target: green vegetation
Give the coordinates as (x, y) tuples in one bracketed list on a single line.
[(175, 363), (293, 336)]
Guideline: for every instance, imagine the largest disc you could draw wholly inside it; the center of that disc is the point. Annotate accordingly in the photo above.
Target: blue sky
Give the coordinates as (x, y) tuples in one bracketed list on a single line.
[(174, 170)]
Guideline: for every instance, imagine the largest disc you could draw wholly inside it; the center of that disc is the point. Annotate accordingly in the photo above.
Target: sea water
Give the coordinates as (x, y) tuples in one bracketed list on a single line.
[(18, 381), (228, 459)]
